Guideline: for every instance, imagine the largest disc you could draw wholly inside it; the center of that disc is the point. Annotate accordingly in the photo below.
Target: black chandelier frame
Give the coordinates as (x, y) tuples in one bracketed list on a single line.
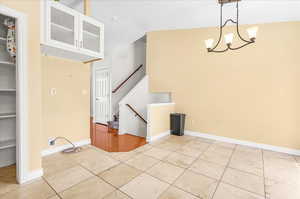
[(229, 47)]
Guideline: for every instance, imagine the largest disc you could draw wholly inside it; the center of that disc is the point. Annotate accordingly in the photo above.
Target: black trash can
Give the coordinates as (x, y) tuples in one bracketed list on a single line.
[(177, 124)]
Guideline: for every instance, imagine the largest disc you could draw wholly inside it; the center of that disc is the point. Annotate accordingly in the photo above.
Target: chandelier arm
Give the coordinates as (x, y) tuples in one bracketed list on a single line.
[(219, 51), (237, 24), (242, 46), (229, 20), (221, 28)]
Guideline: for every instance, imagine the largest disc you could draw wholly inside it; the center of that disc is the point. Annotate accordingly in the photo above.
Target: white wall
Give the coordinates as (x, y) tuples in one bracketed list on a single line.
[(139, 97)]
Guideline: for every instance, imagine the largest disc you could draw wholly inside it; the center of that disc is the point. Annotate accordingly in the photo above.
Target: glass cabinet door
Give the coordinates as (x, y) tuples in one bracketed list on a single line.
[(92, 35), (63, 25)]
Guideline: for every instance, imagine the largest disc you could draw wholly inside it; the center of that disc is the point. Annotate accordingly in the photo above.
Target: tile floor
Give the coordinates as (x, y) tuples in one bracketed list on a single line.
[(172, 168)]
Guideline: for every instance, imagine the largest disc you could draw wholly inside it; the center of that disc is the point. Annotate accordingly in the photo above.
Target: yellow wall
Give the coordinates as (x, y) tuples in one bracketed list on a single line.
[(66, 114), (252, 94), (159, 118)]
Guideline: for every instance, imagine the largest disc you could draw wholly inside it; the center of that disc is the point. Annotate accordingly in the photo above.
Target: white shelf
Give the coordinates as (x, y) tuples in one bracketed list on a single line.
[(2, 40), (90, 34), (7, 90), (7, 63), (62, 27), (7, 144), (7, 115)]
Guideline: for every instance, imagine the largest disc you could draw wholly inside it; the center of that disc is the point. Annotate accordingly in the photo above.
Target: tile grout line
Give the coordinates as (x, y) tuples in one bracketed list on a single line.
[(56, 193), (185, 169), (263, 161), (226, 167)]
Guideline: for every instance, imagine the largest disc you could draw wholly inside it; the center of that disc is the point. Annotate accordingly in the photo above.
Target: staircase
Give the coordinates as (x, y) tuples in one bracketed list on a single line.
[(131, 117)]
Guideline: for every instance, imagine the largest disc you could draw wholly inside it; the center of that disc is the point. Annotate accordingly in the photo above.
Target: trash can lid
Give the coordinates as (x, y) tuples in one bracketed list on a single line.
[(177, 114)]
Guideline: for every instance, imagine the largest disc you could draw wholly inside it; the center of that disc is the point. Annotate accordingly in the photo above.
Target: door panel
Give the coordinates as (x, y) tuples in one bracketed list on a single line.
[(91, 36), (102, 96), (63, 26)]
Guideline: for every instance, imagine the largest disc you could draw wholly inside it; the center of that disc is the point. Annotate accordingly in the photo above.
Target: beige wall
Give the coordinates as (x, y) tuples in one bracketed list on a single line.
[(66, 114), (252, 94), (159, 118)]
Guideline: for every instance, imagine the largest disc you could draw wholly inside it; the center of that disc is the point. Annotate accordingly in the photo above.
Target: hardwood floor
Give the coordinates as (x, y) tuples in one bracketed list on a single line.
[(109, 140)]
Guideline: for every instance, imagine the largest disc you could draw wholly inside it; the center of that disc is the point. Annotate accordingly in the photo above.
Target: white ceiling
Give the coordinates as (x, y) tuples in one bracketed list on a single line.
[(128, 20)]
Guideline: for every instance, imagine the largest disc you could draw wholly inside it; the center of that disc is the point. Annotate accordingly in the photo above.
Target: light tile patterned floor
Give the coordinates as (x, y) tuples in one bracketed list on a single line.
[(172, 168)]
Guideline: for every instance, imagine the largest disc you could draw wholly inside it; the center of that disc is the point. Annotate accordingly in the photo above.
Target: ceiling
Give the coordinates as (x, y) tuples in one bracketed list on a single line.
[(128, 20)]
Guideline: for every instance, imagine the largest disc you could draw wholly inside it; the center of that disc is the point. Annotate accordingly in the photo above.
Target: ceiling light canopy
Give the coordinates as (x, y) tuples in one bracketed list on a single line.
[(252, 32)]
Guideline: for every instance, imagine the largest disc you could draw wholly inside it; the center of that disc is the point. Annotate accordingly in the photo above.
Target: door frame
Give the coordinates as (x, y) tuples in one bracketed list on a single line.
[(95, 69), (22, 163)]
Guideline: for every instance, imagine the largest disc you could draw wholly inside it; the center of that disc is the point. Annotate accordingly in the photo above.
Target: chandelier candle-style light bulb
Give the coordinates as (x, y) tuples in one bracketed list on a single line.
[(209, 43), (252, 32), (229, 38)]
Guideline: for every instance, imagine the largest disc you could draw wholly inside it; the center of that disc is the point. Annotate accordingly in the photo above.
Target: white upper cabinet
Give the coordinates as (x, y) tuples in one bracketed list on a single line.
[(91, 36), (69, 34)]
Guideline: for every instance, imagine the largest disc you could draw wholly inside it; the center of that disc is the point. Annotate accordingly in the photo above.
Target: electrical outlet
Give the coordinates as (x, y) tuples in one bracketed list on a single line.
[(53, 91), (51, 141)]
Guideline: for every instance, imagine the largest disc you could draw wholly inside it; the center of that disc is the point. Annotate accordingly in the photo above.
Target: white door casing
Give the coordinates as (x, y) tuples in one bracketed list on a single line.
[(102, 96)]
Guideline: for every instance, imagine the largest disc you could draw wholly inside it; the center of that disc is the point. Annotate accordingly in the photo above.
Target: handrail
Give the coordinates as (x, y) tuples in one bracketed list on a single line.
[(137, 114), (120, 85)]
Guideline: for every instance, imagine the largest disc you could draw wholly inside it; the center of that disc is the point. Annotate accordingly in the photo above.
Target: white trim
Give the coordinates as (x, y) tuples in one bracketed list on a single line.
[(33, 175), (50, 151), (244, 143), (162, 104), (22, 92), (157, 137)]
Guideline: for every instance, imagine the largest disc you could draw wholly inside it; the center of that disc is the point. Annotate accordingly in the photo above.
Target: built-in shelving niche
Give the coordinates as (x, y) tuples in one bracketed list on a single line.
[(8, 96)]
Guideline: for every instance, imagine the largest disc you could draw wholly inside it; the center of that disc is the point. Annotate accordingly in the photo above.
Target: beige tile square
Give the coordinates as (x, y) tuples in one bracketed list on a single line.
[(55, 197), (281, 167), (208, 169), (226, 191), (180, 139), (92, 188), (116, 195), (97, 164), (224, 144), (245, 181), (57, 162), (174, 193), (35, 190), (144, 187), (143, 148), (206, 140), (198, 185), (189, 151), (67, 178), (142, 162), (195, 144), (247, 160), (124, 156), (180, 160), (157, 153), (282, 190), (169, 146), (120, 175), (166, 172), (218, 155)]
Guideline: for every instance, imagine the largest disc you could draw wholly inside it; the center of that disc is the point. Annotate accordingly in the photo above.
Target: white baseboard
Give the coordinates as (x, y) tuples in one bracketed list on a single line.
[(244, 143), (155, 138), (63, 147), (32, 176)]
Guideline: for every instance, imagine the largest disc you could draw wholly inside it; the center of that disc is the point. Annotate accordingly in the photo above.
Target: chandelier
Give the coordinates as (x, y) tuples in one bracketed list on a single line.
[(229, 37)]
